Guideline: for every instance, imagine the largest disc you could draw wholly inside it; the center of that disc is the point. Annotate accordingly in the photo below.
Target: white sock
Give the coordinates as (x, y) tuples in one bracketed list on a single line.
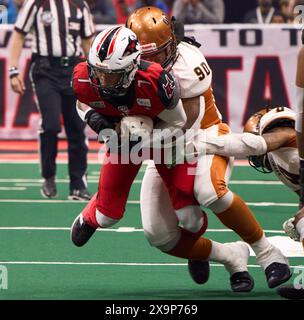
[(267, 253), (300, 228), (230, 256), (219, 253), (260, 245)]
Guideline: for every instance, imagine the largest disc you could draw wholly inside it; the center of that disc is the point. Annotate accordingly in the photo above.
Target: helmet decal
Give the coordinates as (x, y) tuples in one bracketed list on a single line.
[(106, 45), (132, 46)]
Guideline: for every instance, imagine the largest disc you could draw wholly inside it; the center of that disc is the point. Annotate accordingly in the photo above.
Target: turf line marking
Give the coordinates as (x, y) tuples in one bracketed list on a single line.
[(52, 201), (116, 264), (274, 204), (28, 184), (255, 204), (121, 229), (94, 179), (12, 188)]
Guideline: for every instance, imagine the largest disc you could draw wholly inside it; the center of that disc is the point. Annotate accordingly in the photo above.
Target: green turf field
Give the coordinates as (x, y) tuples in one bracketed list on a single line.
[(117, 263)]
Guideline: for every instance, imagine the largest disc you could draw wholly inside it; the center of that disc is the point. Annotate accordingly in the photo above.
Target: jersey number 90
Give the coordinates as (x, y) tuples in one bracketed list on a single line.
[(202, 71)]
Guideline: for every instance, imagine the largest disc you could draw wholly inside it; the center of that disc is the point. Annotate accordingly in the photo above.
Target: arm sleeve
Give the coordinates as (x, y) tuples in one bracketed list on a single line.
[(26, 17), (175, 117)]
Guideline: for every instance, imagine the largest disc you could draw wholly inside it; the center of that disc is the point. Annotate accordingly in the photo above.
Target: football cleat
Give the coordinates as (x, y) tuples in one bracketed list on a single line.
[(277, 273), (199, 270), (291, 292), (81, 231), (48, 189), (241, 282), (291, 230), (80, 195), (240, 279), (275, 265)]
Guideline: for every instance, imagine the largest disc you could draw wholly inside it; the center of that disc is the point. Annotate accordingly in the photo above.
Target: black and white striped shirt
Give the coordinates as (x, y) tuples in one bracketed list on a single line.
[(57, 26)]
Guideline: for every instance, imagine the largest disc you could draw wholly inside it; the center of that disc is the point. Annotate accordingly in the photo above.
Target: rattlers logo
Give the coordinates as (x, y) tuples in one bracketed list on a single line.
[(169, 87)]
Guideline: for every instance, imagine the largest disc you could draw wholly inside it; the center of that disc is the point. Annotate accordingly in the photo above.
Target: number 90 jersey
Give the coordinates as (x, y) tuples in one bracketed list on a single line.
[(194, 77)]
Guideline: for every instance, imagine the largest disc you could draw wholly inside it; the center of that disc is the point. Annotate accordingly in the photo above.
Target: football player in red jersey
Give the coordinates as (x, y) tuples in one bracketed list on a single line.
[(114, 83)]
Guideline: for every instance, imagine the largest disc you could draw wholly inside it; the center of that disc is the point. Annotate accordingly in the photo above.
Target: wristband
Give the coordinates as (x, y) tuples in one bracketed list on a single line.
[(13, 72)]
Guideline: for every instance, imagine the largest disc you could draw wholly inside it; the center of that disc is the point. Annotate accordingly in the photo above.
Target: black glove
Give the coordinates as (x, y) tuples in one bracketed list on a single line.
[(98, 122)]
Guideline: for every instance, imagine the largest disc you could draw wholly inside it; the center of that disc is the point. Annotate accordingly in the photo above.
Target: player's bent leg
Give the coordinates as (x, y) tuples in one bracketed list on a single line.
[(240, 218), (193, 219), (211, 191), (234, 256), (160, 222), (88, 221), (107, 206)]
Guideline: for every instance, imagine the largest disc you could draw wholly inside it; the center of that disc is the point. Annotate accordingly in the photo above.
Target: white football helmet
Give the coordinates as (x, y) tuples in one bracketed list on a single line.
[(113, 60)]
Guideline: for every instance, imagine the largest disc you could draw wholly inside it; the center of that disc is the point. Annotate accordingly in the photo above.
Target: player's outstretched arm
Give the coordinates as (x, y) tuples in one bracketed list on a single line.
[(230, 145), (244, 144)]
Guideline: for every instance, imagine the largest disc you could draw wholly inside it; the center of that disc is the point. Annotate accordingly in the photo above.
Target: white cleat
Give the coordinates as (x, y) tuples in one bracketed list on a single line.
[(291, 230)]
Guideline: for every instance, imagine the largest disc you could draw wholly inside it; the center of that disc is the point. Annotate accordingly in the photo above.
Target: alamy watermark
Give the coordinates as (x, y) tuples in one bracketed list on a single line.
[(163, 146), (298, 12), (298, 281), (3, 278), (3, 14)]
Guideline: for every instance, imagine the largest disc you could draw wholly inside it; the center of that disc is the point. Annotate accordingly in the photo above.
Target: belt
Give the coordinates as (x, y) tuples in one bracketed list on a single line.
[(62, 62)]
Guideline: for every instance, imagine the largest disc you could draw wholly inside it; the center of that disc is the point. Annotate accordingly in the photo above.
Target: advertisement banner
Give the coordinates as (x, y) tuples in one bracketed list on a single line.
[(253, 66)]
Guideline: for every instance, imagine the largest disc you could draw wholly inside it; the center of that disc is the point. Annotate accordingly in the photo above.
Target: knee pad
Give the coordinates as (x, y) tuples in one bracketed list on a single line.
[(191, 218), (104, 221), (222, 204), (164, 241)]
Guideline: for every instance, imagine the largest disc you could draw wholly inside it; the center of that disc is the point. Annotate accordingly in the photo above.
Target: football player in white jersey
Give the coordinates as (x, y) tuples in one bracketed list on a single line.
[(277, 127), (190, 68), (291, 292)]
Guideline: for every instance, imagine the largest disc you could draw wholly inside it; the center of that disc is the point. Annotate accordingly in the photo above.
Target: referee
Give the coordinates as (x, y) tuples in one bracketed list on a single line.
[(60, 29)]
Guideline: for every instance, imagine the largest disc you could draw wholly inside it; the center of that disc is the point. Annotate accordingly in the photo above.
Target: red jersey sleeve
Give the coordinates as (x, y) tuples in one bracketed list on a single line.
[(81, 84)]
